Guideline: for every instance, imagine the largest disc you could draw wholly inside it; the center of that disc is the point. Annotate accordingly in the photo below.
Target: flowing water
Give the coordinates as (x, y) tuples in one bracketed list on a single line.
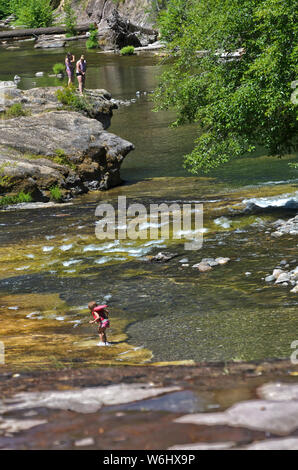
[(52, 264)]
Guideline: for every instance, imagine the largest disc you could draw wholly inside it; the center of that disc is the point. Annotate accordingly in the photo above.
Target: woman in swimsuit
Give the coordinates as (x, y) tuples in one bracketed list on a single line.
[(81, 73), (69, 60), (100, 314)]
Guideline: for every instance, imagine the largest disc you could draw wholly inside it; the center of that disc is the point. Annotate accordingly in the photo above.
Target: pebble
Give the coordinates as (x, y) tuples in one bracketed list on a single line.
[(283, 277), (206, 264), (202, 267), (276, 273), (87, 441), (221, 260)]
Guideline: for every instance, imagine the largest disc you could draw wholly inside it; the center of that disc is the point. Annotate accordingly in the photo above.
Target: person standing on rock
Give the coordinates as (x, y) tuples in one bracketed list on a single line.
[(81, 68), (69, 61), (100, 314)]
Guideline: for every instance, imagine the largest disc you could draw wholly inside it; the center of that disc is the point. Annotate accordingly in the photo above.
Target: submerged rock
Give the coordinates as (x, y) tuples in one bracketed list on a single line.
[(286, 227), (222, 260), (263, 415), (86, 400), (162, 257), (284, 201), (202, 267), (206, 264)]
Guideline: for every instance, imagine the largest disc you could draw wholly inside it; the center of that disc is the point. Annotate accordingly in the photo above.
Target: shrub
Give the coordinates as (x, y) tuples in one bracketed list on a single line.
[(128, 50), (61, 159), (16, 110), (56, 194), (68, 97), (33, 13), (92, 42), (21, 197), (70, 19), (59, 68)]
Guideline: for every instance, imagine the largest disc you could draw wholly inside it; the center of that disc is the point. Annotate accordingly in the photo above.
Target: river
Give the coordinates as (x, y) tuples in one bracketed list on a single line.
[(52, 264)]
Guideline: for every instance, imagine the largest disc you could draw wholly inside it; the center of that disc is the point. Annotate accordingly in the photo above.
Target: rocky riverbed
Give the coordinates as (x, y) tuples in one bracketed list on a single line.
[(50, 145)]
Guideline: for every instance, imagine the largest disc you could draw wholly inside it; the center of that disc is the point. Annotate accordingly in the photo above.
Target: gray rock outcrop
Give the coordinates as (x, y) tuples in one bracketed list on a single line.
[(52, 146), (115, 32), (137, 12)]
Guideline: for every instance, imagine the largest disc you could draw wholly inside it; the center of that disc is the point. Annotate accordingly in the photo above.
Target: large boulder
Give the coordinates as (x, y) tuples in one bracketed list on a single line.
[(137, 12), (36, 100), (30, 146), (50, 42), (115, 32)]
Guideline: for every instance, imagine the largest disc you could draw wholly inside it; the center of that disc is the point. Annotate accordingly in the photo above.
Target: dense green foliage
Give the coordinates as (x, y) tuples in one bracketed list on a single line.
[(5, 8), (238, 103), (127, 50), (92, 42), (70, 19)]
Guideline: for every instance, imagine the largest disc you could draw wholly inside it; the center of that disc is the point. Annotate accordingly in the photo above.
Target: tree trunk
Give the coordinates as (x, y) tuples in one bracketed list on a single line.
[(22, 33)]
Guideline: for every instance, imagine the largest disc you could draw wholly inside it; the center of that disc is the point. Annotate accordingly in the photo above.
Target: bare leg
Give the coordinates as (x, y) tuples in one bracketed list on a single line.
[(102, 335), (80, 80)]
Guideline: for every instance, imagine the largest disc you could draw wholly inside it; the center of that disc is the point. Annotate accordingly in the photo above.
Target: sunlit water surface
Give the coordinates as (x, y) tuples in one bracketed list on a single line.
[(52, 264)]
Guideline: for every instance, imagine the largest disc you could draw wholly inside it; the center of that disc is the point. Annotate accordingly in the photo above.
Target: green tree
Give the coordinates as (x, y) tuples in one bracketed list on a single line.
[(239, 101)]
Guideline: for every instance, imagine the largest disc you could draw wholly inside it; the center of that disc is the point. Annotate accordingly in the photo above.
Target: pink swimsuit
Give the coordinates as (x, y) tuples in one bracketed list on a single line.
[(102, 320)]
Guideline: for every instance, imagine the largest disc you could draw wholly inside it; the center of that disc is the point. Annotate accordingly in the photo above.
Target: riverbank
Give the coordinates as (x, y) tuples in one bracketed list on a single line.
[(126, 402)]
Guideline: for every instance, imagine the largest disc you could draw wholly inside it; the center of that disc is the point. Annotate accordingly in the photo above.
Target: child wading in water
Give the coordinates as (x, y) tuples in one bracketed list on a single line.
[(101, 316)]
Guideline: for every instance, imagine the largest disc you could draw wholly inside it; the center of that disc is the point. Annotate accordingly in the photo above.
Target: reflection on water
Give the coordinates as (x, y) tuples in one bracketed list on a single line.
[(51, 263)]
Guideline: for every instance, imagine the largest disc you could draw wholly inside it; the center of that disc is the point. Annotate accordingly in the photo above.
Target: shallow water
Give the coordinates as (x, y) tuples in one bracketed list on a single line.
[(52, 264)]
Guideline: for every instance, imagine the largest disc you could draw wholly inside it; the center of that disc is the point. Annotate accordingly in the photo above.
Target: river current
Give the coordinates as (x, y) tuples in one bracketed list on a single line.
[(52, 263)]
